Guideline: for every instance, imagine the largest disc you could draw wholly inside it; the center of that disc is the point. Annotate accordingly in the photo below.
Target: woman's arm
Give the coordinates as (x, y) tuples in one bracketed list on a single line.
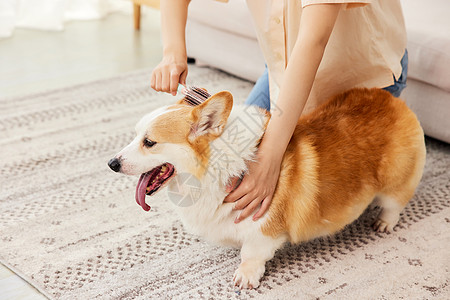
[(316, 25), (173, 67), (258, 186)]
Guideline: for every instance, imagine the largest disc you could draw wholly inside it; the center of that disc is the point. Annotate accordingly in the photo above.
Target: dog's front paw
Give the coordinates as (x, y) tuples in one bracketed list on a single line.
[(248, 274)]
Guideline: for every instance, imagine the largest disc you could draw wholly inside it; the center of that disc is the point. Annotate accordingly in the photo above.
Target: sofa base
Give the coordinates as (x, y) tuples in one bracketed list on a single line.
[(232, 53), (432, 107)]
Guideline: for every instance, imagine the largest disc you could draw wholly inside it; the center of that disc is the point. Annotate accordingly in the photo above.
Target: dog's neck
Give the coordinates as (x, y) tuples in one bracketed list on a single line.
[(237, 144), (227, 158)]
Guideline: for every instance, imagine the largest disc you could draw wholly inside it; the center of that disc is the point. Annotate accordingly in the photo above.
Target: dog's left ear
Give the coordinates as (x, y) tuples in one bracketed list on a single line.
[(210, 117)]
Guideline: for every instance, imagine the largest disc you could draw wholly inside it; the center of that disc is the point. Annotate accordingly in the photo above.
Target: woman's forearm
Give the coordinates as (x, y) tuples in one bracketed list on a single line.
[(299, 76), (173, 26), (294, 92)]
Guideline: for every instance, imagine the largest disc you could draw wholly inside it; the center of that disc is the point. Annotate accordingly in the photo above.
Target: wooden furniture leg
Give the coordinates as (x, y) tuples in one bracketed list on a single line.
[(137, 16)]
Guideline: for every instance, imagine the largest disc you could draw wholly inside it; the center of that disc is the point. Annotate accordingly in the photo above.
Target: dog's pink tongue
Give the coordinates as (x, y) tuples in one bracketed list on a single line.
[(141, 189)]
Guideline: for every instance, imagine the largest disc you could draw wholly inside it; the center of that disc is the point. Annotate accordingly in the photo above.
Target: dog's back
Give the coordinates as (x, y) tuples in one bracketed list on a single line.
[(361, 144)]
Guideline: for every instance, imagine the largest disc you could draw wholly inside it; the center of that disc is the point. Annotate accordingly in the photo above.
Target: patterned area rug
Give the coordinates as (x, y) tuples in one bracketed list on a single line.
[(71, 227)]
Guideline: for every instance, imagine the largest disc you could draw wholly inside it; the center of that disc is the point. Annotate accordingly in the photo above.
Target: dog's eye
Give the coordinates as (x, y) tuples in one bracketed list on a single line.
[(149, 143)]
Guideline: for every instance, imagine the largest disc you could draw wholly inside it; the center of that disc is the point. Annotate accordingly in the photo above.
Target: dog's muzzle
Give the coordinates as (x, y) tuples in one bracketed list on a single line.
[(114, 164)]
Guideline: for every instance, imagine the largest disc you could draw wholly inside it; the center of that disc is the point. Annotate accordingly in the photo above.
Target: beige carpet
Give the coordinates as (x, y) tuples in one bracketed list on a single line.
[(71, 227)]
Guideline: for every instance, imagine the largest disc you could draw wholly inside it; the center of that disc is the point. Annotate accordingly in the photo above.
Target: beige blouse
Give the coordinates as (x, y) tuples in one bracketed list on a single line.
[(364, 49)]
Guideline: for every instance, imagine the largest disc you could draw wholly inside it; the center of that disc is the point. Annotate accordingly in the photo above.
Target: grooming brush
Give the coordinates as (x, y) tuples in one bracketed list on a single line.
[(193, 95)]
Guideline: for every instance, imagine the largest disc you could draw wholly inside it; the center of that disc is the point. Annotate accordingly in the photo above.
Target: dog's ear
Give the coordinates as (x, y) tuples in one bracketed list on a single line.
[(210, 117)]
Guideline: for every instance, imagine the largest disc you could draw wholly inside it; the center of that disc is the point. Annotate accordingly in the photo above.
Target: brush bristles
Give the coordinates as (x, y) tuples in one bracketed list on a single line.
[(195, 96)]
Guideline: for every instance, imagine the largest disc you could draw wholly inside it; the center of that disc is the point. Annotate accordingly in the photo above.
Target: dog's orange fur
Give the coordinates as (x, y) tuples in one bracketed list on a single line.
[(358, 144), (361, 144)]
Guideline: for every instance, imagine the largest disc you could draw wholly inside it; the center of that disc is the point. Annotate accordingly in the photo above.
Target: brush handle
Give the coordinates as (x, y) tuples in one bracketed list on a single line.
[(181, 89)]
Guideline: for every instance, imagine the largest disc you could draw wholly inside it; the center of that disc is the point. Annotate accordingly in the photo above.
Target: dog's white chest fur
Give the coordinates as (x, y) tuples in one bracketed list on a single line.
[(200, 201)]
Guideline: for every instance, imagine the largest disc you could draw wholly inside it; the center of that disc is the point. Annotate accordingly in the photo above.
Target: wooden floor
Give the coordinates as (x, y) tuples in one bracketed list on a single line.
[(13, 287), (32, 61)]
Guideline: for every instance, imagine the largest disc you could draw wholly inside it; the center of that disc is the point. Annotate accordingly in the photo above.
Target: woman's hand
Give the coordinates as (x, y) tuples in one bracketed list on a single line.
[(170, 71), (173, 67), (257, 187)]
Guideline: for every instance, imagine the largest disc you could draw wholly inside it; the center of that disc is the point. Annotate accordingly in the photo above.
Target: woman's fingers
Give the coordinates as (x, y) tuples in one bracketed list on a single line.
[(235, 195), (232, 184), (165, 80), (248, 210), (239, 192), (244, 201), (174, 79), (264, 206), (152, 80), (183, 76), (158, 81)]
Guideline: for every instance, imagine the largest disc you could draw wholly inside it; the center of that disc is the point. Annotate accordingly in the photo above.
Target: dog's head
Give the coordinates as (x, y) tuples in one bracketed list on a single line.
[(173, 139)]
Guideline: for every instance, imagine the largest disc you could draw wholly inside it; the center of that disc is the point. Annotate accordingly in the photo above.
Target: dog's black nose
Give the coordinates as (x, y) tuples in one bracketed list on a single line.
[(114, 164)]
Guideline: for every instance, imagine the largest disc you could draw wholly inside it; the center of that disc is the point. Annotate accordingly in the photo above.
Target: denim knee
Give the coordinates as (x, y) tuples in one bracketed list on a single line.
[(398, 86), (260, 95)]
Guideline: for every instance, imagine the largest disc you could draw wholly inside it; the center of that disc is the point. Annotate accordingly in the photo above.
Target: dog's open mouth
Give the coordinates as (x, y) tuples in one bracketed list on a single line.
[(151, 181)]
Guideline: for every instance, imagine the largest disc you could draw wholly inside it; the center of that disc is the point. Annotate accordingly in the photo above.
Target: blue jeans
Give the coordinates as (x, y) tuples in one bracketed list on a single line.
[(260, 95), (398, 86)]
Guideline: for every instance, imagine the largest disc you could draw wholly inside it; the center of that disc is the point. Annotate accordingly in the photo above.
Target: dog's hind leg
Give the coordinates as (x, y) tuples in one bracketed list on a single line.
[(390, 213), (394, 198)]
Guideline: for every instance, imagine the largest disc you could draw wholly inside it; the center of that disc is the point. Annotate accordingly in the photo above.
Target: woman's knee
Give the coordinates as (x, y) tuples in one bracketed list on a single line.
[(260, 95)]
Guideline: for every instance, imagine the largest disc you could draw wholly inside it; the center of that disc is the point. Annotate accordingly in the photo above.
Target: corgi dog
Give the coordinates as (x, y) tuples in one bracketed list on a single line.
[(361, 145)]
